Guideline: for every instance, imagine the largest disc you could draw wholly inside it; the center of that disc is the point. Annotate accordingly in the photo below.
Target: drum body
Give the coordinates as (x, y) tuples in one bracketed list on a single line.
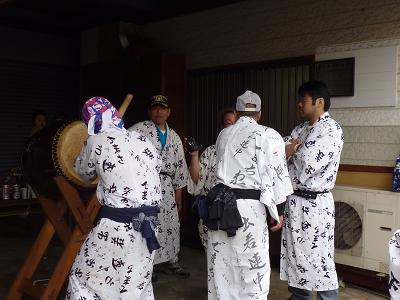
[(52, 151), (67, 145)]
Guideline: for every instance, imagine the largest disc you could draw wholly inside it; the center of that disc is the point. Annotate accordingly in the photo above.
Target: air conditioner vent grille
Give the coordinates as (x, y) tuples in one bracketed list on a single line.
[(348, 226)]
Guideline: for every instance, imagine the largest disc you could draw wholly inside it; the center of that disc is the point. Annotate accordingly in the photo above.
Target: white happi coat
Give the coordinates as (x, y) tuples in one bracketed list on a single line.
[(114, 262), (249, 156), (207, 180), (307, 250), (172, 163), (394, 266)]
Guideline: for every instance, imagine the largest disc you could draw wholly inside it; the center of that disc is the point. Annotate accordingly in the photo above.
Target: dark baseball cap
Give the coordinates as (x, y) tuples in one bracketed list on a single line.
[(159, 100)]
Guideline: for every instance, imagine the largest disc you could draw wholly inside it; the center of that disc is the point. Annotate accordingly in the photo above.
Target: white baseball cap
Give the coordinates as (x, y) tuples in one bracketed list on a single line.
[(248, 98)]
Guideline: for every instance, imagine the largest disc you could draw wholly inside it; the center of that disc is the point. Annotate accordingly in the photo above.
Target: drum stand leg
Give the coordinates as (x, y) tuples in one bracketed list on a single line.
[(55, 223)]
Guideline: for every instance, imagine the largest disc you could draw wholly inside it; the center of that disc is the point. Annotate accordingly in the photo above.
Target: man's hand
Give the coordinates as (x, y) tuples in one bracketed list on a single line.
[(194, 154), (275, 226), (191, 146), (178, 204), (178, 199), (194, 168), (291, 148)]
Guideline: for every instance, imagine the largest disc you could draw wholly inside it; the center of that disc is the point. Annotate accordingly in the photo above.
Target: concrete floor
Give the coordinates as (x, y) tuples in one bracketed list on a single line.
[(18, 233), (195, 287)]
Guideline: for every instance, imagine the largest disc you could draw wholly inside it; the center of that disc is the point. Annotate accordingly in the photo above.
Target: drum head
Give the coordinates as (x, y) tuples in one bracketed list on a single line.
[(66, 147)]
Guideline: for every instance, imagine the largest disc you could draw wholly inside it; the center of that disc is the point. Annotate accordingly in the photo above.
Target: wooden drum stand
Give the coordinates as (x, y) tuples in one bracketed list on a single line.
[(72, 240)]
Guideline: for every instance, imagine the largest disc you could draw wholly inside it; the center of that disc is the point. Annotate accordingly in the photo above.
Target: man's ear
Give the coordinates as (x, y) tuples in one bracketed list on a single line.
[(258, 116), (321, 102)]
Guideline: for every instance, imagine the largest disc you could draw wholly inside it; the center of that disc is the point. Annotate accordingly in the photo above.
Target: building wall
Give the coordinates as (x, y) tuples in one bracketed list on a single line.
[(372, 135), (259, 30)]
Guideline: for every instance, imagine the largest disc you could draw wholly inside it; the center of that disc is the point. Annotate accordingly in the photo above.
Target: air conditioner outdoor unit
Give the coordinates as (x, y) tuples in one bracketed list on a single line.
[(365, 220)]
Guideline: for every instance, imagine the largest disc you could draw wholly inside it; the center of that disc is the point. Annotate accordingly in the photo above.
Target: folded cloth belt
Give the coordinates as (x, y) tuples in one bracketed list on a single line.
[(247, 194), (199, 206), (255, 194), (144, 220), (308, 194)]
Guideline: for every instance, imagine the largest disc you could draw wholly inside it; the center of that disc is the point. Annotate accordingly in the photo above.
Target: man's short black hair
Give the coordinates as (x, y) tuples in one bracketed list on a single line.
[(316, 89), (251, 114), (38, 113)]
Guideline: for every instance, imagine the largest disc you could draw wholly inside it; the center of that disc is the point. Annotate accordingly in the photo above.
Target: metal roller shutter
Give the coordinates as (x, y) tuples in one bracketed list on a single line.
[(275, 82)]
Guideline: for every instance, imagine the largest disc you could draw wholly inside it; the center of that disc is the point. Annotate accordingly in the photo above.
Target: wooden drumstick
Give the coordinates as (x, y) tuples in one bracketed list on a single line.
[(124, 106)]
